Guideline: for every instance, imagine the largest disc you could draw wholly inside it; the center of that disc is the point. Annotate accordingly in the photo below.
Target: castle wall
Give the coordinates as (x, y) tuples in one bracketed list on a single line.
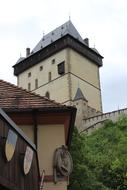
[(83, 112), (79, 72), (90, 93), (85, 75), (62, 88), (42, 75), (84, 68), (96, 122), (58, 89), (81, 106)]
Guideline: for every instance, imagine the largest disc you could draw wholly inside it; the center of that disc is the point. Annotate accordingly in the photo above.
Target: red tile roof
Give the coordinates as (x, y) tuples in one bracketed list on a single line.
[(13, 97)]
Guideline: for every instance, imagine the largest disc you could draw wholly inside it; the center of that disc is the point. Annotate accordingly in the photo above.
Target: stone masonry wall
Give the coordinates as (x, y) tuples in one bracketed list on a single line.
[(93, 123)]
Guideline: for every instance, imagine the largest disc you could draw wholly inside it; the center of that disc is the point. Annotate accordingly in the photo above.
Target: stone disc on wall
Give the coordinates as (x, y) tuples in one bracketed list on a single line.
[(63, 163)]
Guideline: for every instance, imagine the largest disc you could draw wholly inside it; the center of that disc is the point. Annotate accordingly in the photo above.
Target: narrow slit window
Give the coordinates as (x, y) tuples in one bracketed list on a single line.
[(36, 83), (29, 86), (47, 95), (53, 61), (49, 76), (29, 74), (41, 68)]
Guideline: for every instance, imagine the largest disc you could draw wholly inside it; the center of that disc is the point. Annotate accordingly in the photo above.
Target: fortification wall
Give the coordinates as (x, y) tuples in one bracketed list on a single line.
[(93, 123)]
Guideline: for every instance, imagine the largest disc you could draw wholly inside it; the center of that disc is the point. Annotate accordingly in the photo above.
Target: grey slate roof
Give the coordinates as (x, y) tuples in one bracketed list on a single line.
[(79, 95), (94, 49), (59, 33), (20, 59), (66, 28)]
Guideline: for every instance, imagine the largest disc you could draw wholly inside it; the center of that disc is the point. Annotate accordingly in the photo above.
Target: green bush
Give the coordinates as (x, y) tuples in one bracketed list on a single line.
[(100, 159)]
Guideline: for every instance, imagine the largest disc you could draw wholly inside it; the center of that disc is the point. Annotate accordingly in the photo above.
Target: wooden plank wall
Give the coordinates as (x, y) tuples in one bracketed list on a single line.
[(11, 173)]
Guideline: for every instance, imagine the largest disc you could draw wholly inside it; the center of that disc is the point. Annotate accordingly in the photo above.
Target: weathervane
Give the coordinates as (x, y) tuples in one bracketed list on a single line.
[(43, 34), (69, 16)]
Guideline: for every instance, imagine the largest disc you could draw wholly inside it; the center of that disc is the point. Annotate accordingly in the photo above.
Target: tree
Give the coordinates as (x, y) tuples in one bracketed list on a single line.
[(100, 159)]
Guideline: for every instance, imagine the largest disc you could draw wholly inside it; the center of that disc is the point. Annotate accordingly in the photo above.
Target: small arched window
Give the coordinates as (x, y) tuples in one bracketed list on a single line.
[(29, 87), (47, 95)]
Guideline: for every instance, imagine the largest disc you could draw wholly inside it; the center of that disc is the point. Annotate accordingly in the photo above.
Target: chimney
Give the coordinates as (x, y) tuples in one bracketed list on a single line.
[(27, 52), (86, 40)]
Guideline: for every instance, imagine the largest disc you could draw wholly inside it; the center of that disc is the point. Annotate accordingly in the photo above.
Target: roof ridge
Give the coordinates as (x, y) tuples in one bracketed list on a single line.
[(55, 29)]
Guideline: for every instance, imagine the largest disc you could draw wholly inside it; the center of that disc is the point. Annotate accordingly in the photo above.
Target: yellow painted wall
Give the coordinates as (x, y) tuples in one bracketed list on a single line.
[(91, 94), (42, 75), (50, 137), (28, 130), (58, 186), (62, 88), (84, 68), (85, 75), (58, 89)]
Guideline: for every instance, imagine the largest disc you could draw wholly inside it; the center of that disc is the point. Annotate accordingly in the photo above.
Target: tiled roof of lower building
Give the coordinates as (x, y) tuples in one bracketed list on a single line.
[(13, 97)]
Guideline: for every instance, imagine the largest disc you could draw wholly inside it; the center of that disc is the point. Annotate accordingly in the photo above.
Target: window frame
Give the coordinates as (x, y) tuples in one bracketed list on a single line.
[(61, 68)]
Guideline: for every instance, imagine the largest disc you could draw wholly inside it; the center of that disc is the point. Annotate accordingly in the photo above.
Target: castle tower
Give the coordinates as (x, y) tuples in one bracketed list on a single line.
[(81, 103), (58, 64)]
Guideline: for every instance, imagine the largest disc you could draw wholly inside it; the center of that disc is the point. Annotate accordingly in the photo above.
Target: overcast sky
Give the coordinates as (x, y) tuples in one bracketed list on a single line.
[(104, 22)]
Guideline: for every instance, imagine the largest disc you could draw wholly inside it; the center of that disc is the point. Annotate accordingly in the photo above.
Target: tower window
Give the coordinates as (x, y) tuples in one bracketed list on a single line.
[(41, 68), (29, 74), (36, 83), (29, 86), (49, 76), (61, 68), (47, 95), (53, 61)]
